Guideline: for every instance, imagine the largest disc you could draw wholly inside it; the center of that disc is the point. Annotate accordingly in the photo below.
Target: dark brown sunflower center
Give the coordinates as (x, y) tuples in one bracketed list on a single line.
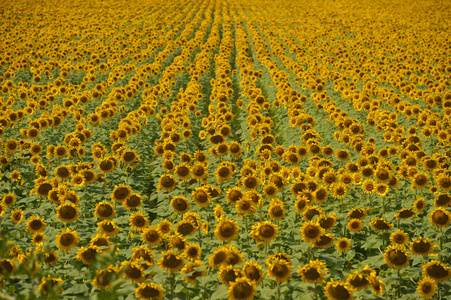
[(339, 292), (436, 271), (68, 212), (67, 239), (311, 274), (440, 218), (105, 210), (242, 290), (227, 230), (171, 261), (397, 257), (149, 292)]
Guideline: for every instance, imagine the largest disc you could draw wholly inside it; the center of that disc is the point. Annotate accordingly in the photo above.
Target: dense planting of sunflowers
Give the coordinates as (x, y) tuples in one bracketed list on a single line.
[(225, 149)]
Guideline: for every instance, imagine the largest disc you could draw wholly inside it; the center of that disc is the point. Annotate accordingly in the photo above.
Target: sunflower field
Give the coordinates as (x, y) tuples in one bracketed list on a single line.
[(225, 149)]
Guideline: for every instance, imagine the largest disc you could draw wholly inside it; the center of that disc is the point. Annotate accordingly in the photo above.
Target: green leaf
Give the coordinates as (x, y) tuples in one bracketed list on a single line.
[(220, 293)]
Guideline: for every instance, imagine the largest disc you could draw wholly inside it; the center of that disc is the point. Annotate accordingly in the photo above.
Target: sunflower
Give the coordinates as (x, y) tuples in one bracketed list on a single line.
[(420, 180), (78, 180), (199, 171), (355, 225), (51, 286), (440, 217), (436, 270), (326, 240), (218, 257), (396, 257), (121, 193), (182, 171), (15, 175), (276, 209), (67, 212), (338, 291), (192, 251), (245, 206), (313, 272), (444, 182), (67, 239), (201, 196), (88, 254), (404, 213), (133, 202), (427, 287), (338, 190), (253, 272), (369, 186), (102, 241), (36, 224), (228, 274), (38, 239), (301, 203), (311, 211), (399, 238), (138, 221), (8, 199), (105, 210), (226, 229), (104, 277), (270, 190), (320, 195), (242, 289), (62, 172), (442, 200), (280, 269), (150, 290), (419, 205), (421, 246), (152, 236), (180, 204), (51, 258), (343, 244), (43, 188), (233, 195), (185, 228), (132, 271), (264, 231), (108, 227), (107, 164), (11, 145), (129, 157), (171, 262), (164, 226), (60, 151), (311, 231), (223, 173), (380, 224), (178, 241), (16, 216)]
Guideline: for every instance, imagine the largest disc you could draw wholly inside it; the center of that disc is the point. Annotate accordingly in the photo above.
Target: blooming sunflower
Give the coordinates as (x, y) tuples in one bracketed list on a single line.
[(133, 202), (192, 251), (396, 257), (132, 271), (253, 272), (440, 217), (421, 246), (226, 229), (201, 196), (16, 216), (399, 238), (121, 193), (171, 262), (138, 221), (358, 281), (36, 224), (313, 272), (88, 254), (67, 239), (280, 270), (242, 289), (380, 224), (152, 236), (67, 212), (436, 270), (343, 244), (146, 291), (108, 227), (311, 231), (338, 291), (427, 287), (276, 209), (180, 204), (419, 205), (264, 231), (105, 210)]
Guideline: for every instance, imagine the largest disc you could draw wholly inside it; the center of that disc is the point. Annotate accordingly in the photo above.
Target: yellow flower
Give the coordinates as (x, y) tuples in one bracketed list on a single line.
[(242, 289), (226, 229), (67, 239), (427, 287), (147, 291)]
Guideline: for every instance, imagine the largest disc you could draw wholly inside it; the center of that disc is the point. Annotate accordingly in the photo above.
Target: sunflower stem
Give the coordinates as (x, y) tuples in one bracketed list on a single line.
[(278, 290)]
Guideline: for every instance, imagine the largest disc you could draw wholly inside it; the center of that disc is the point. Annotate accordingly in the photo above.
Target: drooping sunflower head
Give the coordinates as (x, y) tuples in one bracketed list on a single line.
[(338, 291), (436, 270)]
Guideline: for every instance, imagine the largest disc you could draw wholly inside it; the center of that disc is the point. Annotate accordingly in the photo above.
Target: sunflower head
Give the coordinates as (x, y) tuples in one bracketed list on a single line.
[(396, 257)]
